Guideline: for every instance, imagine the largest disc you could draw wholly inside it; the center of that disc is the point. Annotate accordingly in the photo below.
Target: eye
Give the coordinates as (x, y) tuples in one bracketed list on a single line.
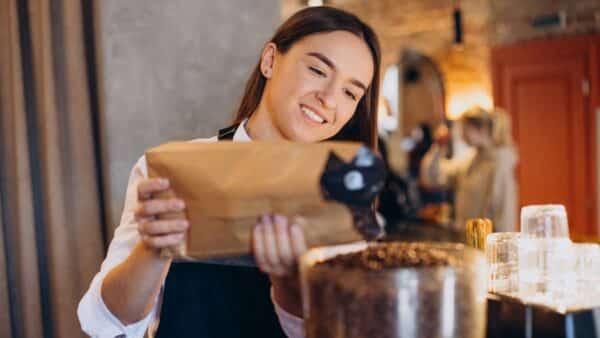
[(317, 71), (350, 94)]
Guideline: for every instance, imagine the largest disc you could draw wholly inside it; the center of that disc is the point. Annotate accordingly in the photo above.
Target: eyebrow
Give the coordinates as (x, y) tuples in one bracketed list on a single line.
[(331, 65)]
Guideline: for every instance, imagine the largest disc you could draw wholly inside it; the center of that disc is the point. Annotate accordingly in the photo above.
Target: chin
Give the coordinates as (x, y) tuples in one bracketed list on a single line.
[(296, 133), (306, 137), (303, 138)]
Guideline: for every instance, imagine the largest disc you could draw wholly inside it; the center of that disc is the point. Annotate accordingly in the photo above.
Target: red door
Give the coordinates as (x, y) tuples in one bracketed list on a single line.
[(546, 87)]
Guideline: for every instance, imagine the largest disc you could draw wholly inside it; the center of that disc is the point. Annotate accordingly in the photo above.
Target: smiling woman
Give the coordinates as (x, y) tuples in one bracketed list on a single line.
[(317, 79), (315, 87)]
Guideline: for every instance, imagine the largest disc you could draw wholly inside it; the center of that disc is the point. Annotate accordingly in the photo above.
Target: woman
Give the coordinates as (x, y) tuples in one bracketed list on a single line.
[(484, 182), (316, 79)]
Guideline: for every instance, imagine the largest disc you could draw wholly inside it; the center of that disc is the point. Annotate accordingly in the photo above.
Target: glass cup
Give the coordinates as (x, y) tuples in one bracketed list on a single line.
[(544, 221), (546, 259), (587, 274), (502, 250)]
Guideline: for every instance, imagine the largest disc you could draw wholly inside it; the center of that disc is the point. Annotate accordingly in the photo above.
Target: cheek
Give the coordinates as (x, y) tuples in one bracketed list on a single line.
[(291, 85), (469, 137), (467, 133), (344, 114)]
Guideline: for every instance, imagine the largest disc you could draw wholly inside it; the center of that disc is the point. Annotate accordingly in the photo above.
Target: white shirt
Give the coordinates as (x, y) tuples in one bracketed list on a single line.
[(96, 319)]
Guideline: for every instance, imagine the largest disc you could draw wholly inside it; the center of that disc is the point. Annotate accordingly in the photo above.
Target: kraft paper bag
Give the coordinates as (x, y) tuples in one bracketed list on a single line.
[(227, 186)]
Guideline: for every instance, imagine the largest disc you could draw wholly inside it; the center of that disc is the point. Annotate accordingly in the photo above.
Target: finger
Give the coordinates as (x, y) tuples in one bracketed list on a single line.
[(270, 244), (297, 240), (260, 252), (269, 241), (163, 241), (258, 247), (148, 186), (163, 227), (282, 237), (159, 206)]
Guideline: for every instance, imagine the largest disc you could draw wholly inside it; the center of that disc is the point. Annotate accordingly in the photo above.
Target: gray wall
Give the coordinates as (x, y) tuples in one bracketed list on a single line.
[(172, 70)]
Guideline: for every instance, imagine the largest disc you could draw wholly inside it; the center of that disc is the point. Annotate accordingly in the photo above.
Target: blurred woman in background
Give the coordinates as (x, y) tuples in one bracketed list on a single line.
[(483, 181)]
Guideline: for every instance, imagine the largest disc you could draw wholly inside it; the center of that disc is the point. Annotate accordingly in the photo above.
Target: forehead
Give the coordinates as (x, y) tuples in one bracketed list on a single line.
[(349, 53)]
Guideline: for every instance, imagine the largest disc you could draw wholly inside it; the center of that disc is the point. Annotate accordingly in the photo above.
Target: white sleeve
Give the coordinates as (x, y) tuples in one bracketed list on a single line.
[(95, 318), (292, 326)]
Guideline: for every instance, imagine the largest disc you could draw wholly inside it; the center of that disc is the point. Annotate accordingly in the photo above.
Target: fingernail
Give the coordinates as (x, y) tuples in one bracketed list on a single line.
[(296, 230), (184, 223), (279, 219), (179, 204), (164, 182)]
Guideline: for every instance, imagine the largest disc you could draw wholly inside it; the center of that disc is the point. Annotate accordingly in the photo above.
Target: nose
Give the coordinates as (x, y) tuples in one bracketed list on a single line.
[(327, 97)]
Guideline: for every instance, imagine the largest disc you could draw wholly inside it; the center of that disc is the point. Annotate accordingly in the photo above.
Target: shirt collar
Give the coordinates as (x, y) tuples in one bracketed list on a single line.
[(241, 134)]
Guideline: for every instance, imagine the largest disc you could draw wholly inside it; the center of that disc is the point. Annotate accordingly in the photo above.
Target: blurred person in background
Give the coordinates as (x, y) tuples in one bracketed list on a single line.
[(484, 180)]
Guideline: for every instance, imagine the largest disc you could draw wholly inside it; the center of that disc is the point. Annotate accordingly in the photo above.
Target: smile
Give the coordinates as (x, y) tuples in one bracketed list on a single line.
[(312, 115)]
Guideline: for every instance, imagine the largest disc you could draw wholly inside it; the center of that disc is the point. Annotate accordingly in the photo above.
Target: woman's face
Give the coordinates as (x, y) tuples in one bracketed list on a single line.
[(474, 136), (314, 88)]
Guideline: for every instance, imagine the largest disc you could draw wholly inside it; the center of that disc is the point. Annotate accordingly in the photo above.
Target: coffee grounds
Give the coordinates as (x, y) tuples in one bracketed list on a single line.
[(393, 255)]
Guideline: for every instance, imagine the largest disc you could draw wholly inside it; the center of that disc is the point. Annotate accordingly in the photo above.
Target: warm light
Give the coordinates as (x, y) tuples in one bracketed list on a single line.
[(315, 3), (463, 100)]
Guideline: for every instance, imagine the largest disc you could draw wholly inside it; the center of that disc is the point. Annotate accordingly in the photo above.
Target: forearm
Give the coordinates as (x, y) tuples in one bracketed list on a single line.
[(130, 289)]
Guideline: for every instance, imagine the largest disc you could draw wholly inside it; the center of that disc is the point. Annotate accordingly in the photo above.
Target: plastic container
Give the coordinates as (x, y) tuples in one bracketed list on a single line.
[(436, 301)]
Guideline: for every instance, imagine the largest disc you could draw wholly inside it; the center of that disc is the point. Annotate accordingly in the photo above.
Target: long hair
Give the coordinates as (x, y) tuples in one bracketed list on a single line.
[(362, 127)]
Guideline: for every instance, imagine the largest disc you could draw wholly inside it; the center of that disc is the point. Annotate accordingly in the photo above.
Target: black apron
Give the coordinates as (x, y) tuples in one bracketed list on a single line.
[(218, 299)]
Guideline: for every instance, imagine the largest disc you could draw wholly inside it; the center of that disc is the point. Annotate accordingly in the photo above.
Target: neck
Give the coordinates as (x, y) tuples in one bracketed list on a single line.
[(260, 126)]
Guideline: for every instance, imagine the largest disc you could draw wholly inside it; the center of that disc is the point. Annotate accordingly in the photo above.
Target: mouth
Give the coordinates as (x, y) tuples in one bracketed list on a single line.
[(313, 114)]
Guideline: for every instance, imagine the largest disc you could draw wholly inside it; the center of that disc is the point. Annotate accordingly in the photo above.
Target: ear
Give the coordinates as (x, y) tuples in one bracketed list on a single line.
[(267, 60)]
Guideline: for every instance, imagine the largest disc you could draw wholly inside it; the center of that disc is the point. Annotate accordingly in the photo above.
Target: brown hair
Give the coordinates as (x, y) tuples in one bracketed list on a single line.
[(362, 127)]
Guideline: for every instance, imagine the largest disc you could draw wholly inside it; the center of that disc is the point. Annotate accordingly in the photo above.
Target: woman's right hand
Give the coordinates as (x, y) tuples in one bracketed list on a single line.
[(161, 223), (155, 227)]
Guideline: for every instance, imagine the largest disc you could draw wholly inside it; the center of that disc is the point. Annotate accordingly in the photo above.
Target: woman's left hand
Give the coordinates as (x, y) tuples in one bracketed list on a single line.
[(277, 245)]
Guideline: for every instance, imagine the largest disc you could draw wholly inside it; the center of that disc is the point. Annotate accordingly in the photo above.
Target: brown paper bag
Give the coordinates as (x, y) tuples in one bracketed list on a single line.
[(227, 185)]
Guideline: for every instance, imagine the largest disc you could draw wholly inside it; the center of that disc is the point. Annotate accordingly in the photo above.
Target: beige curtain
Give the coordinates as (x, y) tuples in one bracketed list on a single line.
[(51, 241)]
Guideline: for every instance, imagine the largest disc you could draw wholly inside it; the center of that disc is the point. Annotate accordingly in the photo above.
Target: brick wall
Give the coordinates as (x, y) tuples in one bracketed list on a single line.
[(427, 26), (511, 18)]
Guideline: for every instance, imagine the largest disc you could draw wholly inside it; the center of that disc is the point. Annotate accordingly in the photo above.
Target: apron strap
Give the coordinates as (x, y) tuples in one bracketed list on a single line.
[(226, 134)]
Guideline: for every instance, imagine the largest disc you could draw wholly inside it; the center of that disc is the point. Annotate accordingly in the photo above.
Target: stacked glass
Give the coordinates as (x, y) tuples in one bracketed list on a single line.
[(541, 264), (587, 274), (502, 254), (546, 260)]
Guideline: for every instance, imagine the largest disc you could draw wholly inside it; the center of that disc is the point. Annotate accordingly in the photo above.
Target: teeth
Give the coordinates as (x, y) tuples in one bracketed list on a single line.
[(312, 115)]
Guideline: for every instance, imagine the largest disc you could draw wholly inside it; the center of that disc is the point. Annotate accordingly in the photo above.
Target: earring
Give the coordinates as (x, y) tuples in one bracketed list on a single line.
[(266, 73)]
